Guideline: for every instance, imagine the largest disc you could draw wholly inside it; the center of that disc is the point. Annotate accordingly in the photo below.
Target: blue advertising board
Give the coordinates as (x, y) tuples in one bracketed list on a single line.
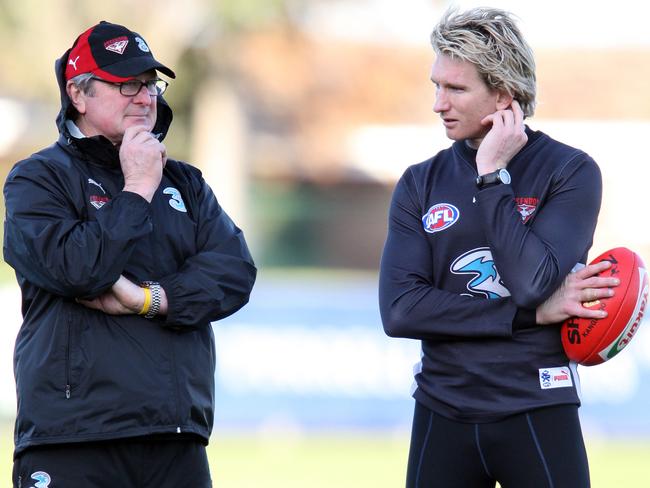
[(310, 353)]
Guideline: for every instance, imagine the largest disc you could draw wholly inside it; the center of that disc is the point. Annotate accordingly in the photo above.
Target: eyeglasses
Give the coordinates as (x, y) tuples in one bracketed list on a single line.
[(131, 88)]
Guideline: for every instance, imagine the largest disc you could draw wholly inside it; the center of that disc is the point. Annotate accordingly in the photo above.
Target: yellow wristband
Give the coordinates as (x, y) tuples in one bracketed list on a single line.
[(147, 302)]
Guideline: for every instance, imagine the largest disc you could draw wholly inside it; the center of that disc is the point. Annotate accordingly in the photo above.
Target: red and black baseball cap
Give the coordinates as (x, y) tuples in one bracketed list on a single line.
[(112, 52)]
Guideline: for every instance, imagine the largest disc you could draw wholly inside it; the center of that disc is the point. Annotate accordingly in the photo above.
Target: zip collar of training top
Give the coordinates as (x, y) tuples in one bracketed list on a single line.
[(468, 154)]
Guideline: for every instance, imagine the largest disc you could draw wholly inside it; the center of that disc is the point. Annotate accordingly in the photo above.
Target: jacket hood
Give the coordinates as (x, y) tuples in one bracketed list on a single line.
[(164, 111)]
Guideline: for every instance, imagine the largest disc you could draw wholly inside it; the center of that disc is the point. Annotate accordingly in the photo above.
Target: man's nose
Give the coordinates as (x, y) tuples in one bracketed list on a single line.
[(143, 96), (442, 102)]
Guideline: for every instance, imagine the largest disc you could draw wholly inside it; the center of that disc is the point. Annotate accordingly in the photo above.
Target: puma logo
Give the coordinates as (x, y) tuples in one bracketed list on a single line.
[(74, 63), (93, 182)]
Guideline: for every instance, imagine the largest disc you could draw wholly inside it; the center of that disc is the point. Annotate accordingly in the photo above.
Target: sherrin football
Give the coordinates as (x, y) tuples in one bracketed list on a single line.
[(594, 341)]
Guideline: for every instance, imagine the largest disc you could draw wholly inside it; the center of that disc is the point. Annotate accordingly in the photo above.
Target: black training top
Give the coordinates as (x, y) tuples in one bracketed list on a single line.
[(464, 269)]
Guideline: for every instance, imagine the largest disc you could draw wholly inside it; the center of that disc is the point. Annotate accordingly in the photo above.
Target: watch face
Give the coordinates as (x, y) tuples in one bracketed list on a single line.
[(504, 176)]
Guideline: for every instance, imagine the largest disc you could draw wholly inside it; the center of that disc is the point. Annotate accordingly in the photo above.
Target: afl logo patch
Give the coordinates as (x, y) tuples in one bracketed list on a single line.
[(440, 217)]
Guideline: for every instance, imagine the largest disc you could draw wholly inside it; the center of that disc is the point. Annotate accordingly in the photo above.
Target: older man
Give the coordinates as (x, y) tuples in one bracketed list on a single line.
[(124, 258)]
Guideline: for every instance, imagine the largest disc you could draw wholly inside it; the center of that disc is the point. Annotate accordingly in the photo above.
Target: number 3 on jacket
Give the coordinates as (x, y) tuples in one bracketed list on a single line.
[(176, 201)]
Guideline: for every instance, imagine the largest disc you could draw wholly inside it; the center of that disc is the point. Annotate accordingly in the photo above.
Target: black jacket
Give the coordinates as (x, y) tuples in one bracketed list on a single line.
[(70, 232)]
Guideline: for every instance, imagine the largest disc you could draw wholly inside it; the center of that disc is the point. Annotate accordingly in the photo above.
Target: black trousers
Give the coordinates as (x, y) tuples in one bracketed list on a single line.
[(123, 463), (540, 448)]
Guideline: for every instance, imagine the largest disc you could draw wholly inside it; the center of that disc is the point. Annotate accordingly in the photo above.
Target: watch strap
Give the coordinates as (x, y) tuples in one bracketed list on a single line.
[(155, 290), (491, 179)]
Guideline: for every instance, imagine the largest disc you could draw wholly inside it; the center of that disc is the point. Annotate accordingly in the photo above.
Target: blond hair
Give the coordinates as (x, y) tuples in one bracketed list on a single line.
[(489, 39)]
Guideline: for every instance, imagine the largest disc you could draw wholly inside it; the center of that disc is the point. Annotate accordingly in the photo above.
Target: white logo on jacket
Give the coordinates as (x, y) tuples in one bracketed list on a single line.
[(555, 378), (98, 201), (486, 280), (93, 182), (176, 201), (43, 479)]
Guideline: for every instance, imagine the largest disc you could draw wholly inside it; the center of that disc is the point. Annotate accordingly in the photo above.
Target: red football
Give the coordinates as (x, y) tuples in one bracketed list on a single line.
[(594, 341)]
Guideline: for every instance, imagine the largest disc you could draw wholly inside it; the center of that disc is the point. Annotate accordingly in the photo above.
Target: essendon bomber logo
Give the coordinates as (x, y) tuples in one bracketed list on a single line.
[(117, 45), (98, 201), (440, 217), (526, 207)]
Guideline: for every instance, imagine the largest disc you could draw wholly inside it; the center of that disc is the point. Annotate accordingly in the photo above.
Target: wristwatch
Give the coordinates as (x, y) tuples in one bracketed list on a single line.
[(499, 176), (155, 298)]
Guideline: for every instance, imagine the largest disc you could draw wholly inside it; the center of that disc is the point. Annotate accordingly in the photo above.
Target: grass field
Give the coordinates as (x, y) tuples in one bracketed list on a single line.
[(358, 461)]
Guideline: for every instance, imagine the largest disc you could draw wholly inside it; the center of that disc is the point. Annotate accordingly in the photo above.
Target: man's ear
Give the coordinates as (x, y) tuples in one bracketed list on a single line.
[(77, 97), (504, 100)]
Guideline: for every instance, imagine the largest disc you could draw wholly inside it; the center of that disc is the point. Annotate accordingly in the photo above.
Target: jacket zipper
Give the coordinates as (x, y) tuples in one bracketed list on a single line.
[(68, 388), (174, 372), (176, 393)]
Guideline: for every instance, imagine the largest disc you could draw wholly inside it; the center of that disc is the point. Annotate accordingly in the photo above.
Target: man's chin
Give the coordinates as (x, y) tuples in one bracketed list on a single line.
[(133, 121), (456, 135), (453, 135)]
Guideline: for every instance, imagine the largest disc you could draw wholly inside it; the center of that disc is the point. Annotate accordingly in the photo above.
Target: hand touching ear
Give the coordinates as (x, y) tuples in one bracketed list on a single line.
[(504, 140)]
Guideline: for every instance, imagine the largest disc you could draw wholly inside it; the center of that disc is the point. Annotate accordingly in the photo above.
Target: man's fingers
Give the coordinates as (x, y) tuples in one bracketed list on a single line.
[(94, 304), (592, 270), (508, 118), (592, 294), (133, 131), (142, 144), (600, 282), (144, 138), (518, 113), (588, 313), (488, 119), (588, 277)]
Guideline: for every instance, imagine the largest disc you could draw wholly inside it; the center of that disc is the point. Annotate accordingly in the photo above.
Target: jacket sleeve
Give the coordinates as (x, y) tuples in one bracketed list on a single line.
[(48, 241), (533, 260), (218, 279), (410, 305)]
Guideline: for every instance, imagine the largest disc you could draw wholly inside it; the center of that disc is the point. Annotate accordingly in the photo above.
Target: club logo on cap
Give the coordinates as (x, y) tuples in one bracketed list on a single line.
[(117, 45), (142, 45), (113, 53)]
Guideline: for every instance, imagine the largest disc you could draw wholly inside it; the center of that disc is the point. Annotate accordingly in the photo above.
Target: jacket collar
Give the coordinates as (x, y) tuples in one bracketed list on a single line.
[(95, 150)]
